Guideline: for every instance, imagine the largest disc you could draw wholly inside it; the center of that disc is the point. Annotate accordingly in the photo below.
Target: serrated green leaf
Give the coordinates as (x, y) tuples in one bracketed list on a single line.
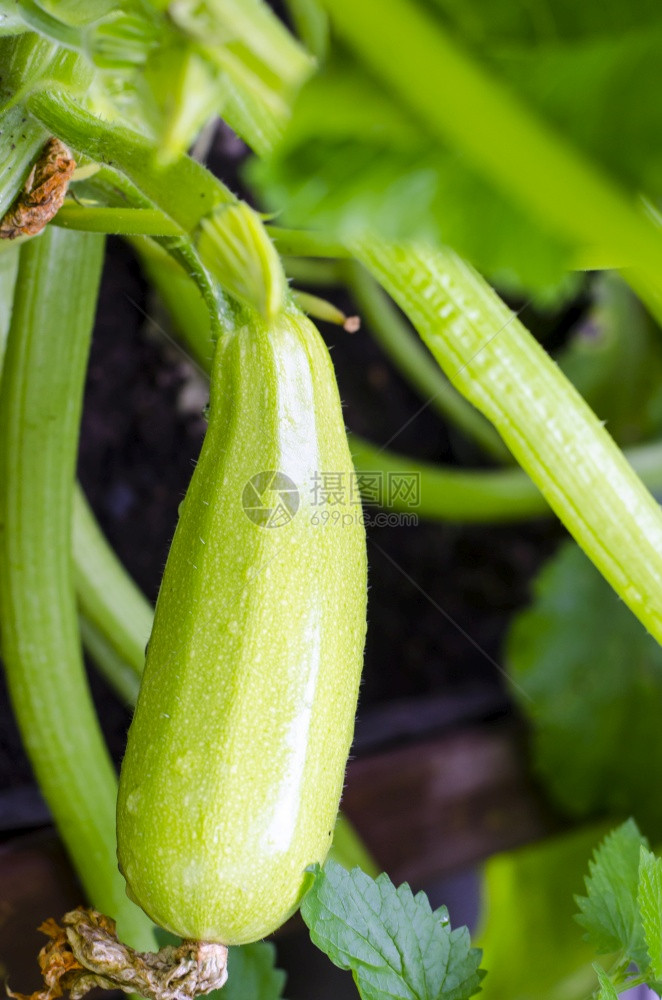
[(609, 912), (607, 989), (583, 668), (392, 941), (649, 900), (252, 974)]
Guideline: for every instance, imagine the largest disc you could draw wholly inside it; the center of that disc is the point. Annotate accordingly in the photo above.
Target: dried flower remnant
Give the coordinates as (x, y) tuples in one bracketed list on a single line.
[(85, 953), (42, 194)]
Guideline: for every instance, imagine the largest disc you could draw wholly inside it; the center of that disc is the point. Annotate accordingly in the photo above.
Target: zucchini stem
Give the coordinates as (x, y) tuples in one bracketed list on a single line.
[(198, 209), (557, 439), (40, 407), (110, 603)]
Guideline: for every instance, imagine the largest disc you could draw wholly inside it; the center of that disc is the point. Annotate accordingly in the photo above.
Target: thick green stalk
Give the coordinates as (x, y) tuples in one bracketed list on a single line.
[(495, 362), (404, 348), (40, 407), (498, 135), (184, 190)]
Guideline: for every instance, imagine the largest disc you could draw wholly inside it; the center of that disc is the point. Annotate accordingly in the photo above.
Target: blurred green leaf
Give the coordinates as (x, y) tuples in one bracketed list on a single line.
[(589, 678), (616, 120), (252, 974), (353, 159), (484, 24), (617, 344), (528, 910)]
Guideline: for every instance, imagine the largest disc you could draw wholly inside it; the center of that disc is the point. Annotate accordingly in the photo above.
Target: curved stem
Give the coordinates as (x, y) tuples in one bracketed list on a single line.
[(40, 408), (554, 435), (118, 221), (50, 27), (500, 495), (122, 675), (306, 243), (183, 190), (202, 213), (401, 344), (109, 600)]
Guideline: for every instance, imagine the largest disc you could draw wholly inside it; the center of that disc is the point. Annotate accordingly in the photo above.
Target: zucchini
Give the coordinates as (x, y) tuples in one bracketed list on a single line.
[(236, 755)]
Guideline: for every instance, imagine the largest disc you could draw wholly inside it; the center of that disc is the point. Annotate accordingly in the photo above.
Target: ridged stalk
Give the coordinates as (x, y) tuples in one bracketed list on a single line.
[(496, 363), (40, 407)]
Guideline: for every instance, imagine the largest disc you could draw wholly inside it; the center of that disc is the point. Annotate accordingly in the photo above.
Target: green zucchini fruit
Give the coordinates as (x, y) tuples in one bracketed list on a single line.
[(236, 755)]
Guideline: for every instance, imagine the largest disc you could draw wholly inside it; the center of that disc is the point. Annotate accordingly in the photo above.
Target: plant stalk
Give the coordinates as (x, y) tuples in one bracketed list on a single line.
[(40, 407), (495, 362), (108, 598)]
